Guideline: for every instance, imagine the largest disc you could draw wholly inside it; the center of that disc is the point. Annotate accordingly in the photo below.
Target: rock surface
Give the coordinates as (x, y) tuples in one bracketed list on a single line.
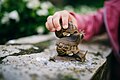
[(32, 39), (42, 66)]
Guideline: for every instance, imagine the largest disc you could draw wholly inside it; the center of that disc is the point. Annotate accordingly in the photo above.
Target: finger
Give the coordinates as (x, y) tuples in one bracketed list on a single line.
[(49, 24), (51, 29), (56, 21), (65, 17), (72, 18)]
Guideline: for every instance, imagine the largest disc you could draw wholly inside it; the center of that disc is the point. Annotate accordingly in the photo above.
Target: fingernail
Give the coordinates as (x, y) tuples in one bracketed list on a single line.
[(58, 29), (65, 26)]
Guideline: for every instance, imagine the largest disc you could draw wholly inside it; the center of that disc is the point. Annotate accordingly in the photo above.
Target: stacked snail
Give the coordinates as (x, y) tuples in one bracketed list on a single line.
[(69, 39)]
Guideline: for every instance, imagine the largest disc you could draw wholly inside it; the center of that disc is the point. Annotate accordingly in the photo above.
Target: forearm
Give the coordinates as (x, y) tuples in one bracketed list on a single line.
[(91, 23)]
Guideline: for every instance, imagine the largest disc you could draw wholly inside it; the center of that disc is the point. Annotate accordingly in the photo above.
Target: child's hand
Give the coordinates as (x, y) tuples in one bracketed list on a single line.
[(53, 22)]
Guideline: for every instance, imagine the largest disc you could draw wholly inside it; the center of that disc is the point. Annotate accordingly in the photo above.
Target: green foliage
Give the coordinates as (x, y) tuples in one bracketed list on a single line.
[(90, 3), (22, 18)]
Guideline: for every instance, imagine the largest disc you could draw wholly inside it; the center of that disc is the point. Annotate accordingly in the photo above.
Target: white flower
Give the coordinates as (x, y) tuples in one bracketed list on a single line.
[(5, 18), (42, 12), (40, 29), (69, 8), (14, 15), (33, 4), (46, 5), (2, 1)]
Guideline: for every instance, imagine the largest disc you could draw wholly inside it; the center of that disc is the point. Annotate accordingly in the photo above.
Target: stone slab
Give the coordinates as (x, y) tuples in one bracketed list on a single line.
[(32, 39), (37, 66)]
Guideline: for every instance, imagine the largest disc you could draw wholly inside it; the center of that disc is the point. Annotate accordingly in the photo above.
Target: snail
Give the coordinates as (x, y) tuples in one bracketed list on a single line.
[(69, 39)]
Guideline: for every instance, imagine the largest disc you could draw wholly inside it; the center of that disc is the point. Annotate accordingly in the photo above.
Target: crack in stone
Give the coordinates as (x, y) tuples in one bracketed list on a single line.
[(38, 47)]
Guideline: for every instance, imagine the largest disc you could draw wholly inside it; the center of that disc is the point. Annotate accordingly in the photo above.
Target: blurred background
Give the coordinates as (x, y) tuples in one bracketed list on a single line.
[(20, 18)]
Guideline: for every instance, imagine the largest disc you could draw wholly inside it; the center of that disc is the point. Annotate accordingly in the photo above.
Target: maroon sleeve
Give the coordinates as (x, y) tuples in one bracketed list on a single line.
[(90, 23)]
